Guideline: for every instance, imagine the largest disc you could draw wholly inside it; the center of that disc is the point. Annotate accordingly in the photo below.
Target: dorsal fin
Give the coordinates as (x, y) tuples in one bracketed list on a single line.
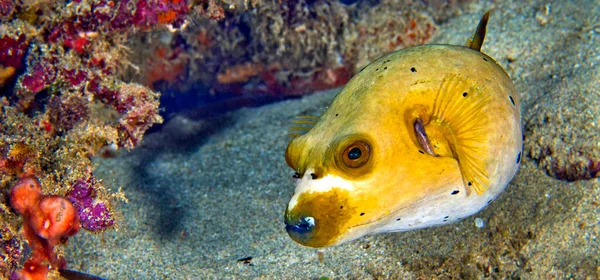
[(476, 41)]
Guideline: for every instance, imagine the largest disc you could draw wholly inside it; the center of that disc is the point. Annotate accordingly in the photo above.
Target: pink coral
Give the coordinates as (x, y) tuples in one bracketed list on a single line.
[(94, 214)]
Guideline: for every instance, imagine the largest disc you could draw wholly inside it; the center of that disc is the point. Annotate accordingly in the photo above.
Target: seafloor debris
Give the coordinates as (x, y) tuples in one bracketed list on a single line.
[(567, 161), (246, 261), (562, 132)]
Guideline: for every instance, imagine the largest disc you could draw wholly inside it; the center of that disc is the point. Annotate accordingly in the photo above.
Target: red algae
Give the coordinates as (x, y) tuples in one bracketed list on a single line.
[(12, 50), (6, 8)]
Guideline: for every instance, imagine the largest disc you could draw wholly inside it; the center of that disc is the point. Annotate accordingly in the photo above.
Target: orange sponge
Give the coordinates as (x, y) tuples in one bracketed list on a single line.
[(51, 217), (60, 218), (26, 195), (33, 272), (47, 221)]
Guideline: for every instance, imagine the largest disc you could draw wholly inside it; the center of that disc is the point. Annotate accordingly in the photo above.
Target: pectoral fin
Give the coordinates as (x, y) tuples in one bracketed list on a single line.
[(458, 127)]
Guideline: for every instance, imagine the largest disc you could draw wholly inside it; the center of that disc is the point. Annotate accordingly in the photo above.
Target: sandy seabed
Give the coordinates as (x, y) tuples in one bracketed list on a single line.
[(204, 194)]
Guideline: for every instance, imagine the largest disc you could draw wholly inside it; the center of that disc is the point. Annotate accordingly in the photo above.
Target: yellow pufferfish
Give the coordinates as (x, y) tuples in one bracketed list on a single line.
[(421, 137)]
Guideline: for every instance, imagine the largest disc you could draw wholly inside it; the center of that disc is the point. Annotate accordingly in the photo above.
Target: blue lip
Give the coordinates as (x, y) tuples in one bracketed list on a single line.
[(299, 227)]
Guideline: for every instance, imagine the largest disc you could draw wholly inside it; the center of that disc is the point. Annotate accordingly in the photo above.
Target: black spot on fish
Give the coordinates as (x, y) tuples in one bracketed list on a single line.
[(470, 184), (421, 152), (413, 69), (489, 201), (511, 100), (362, 214), (376, 69), (519, 158), (454, 192), (445, 218), (342, 207), (398, 219), (484, 59), (464, 94), (336, 115), (385, 68), (386, 61), (313, 176)]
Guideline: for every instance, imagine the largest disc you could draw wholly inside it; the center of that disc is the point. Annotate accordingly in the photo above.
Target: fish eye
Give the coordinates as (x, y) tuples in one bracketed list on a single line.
[(356, 154)]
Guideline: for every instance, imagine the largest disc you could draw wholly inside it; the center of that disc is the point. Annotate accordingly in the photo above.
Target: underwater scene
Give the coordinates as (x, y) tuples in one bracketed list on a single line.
[(310, 139)]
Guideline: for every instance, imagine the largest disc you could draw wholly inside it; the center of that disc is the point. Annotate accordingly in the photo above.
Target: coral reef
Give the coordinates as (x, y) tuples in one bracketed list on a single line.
[(64, 100), (283, 48)]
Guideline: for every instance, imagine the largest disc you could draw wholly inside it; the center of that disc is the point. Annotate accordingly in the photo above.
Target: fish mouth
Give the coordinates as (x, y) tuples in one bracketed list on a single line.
[(313, 224), (302, 226), (321, 231), (300, 230)]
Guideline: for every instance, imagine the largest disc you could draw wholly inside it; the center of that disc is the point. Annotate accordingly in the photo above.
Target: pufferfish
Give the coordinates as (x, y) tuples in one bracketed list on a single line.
[(421, 137)]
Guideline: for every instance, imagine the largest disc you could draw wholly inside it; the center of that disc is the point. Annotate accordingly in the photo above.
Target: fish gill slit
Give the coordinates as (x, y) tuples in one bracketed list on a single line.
[(422, 138)]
